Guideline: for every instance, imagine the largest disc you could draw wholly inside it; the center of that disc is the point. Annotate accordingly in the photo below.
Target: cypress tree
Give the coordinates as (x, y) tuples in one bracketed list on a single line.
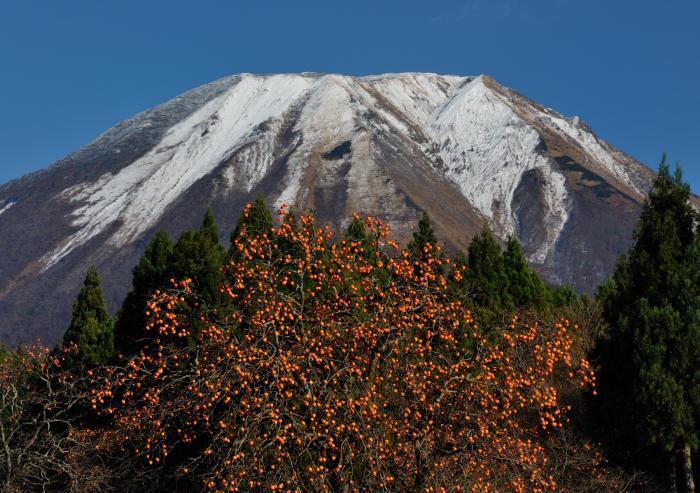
[(650, 377), (90, 329), (423, 236), (152, 272), (197, 255), (212, 256)]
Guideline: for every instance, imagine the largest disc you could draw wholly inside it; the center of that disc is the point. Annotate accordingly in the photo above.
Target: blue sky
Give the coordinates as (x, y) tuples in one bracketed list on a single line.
[(71, 69)]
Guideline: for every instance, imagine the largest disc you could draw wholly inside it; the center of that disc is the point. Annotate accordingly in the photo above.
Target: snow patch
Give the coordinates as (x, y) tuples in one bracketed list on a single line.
[(416, 96), (6, 206), (574, 129)]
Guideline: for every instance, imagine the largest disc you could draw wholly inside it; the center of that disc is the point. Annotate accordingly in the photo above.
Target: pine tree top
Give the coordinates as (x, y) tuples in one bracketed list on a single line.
[(91, 328), (423, 236), (209, 231), (90, 298)]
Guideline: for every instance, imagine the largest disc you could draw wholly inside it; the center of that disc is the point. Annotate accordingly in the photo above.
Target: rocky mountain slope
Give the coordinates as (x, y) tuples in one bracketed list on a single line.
[(466, 149)]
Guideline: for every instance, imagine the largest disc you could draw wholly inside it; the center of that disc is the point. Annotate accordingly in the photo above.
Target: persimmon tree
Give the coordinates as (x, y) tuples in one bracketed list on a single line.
[(338, 366)]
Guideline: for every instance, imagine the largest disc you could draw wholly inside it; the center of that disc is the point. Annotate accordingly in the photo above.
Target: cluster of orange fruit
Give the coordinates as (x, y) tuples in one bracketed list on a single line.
[(339, 366)]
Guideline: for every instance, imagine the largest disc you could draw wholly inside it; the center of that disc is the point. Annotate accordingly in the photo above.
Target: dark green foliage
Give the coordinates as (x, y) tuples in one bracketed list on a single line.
[(356, 232), (152, 272), (650, 377), (498, 283), (561, 296), (90, 329), (199, 256), (485, 281), (255, 220), (423, 236), (524, 286), (366, 245)]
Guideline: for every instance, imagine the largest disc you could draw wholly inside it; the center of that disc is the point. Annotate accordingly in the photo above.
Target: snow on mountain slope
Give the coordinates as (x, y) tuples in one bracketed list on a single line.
[(138, 194), (6, 205), (485, 145), (415, 96), (467, 149), (487, 148)]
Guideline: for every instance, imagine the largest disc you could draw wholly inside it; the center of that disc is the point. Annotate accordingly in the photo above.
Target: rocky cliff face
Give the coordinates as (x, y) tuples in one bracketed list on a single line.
[(467, 149)]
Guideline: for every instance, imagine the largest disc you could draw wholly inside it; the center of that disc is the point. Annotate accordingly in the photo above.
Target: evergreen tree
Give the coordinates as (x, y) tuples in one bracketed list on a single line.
[(198, 255), (525, 288), (357, 233), (90, 329), (486, 279), (152, 272), (356, 230), (209, 231), (650, 378), (562, 296), (423, 236), (255, 220)]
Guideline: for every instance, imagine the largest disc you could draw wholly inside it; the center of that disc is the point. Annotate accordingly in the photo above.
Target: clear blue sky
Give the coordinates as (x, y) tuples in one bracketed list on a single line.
[(71, 69)]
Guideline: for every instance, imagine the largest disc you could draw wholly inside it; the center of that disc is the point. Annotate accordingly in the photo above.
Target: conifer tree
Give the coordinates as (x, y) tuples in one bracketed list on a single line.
[(650, 378), (356, 232), (486, 277), (90, 329), (423, 236), (152, 272), (198, 255), (524, 286), (256, 220)]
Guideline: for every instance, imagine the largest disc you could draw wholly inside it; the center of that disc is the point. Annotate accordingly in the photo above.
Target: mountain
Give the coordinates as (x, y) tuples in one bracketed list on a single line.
[(467, 149)]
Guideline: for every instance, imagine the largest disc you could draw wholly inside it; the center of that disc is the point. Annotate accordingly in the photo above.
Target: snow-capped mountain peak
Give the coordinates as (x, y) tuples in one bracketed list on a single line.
[(467, 149)]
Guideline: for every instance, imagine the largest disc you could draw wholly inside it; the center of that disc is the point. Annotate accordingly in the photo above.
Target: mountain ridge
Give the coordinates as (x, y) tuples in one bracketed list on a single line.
[(467, 149)]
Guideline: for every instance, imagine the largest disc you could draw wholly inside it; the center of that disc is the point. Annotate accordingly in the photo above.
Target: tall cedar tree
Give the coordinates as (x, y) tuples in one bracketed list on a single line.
[(358, 233), (486, 279), (90, 329), (650, 378), (152, 272), (423, 236), (198, 255), (524, 286)]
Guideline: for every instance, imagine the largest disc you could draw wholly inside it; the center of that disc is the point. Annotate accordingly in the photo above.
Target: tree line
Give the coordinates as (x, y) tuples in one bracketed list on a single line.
[(494, 281)]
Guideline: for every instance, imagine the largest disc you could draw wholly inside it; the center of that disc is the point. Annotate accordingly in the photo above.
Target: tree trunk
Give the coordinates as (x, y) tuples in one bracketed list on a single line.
[(686, 460)]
